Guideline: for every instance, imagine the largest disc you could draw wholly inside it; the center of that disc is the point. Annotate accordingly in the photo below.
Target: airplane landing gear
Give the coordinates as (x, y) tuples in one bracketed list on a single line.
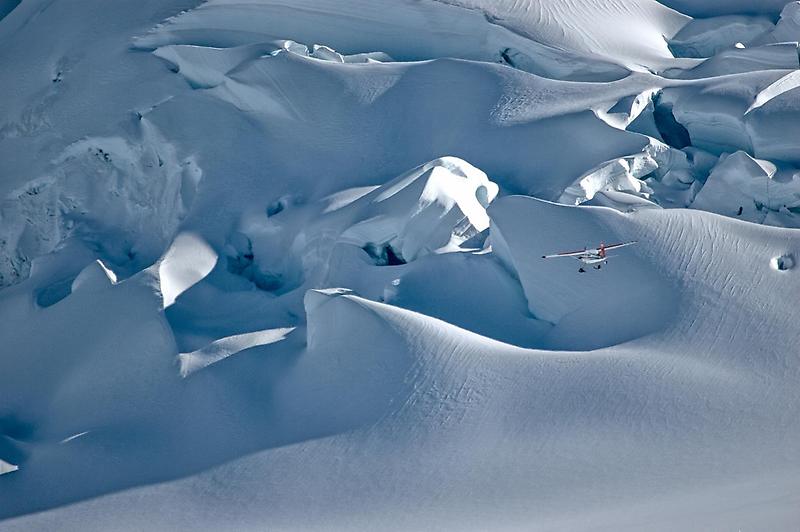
[(581, 270), (597, 267)]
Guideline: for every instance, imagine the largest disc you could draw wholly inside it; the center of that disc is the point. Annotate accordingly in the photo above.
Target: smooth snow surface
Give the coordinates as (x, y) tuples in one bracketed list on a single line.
[(277, 265), (187, 261)]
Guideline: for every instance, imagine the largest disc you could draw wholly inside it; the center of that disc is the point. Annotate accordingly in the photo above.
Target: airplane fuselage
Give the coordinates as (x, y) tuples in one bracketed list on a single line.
[(594, 258)]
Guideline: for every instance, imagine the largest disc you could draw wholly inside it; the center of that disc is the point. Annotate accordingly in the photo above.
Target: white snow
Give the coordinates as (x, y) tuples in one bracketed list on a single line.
[(273, 264), (187, 261), (225, 347), (707, 37), (753, 189), (787, 83), (438, 205)]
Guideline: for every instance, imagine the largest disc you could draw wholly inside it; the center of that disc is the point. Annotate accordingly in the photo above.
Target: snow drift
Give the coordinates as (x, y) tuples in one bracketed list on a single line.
[(278, 264)]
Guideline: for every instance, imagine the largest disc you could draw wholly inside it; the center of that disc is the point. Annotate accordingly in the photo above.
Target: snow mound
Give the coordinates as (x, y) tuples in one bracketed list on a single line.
[(709, 36), (788, 27), (621, 175), (524, 229), (146, 192), (439, 205), (751, 189), (434, 208), (95, 276), (187, 261), (713, 112), (205, 67), (780, 56), (629, 33), (249, 280), (659, 175), (532, 36), (628, 175)]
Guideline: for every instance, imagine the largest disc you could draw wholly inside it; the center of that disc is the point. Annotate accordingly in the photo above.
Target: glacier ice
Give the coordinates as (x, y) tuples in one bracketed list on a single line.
[(278, 264)]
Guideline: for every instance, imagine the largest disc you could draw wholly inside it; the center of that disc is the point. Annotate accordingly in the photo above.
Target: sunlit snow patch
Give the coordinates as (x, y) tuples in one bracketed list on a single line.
[(785, 84), (188, 260), (437, 205), (620, 175), (124, 197), (206, 67), (225, 347), (404, 31), (434, 208), (96, 274), (74, 437), (5, 467), (627, 175)]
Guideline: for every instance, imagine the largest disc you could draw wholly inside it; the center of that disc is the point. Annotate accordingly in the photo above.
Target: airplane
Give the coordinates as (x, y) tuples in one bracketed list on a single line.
[(592, 257)]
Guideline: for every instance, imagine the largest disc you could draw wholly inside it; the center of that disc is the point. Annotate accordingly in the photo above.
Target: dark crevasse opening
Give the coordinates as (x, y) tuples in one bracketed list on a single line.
[(384, 255), (671, 131), (7, 6)]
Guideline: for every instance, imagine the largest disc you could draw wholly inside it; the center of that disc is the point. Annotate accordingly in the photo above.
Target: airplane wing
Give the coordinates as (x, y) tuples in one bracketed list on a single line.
[(621, 244), (565, 254)]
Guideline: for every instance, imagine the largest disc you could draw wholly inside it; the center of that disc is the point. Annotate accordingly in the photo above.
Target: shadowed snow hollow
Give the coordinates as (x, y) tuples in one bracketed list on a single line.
[(249, 280), (434, 208), (124, 198), (590, 310), (752, 189)]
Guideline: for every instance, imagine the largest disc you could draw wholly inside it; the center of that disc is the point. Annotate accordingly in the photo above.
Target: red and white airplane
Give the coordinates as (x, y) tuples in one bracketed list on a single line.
[(592, 257)]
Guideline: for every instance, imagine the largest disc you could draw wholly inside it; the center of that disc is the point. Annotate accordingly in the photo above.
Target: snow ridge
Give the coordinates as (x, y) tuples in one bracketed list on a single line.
[(272, 263)]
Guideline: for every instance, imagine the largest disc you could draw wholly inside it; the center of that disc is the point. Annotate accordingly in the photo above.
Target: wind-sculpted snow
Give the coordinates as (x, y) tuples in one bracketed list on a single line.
[(579, 39), (630, 33), (225, 347), (707, 37), (146, 192), (712, 8), (435, 208), (588, 312), (272, 264), (657, 162), (737, 60), (439, 29), (187, 261), (785, 84), (429, 389), (788, 25), (717, 117), (753, 190)]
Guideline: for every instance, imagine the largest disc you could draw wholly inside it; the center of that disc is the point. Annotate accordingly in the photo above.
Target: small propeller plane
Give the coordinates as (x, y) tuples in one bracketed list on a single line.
[(591, 257)]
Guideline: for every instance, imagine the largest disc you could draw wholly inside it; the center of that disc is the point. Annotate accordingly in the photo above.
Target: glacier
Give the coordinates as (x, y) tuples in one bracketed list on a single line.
[(277, 264)]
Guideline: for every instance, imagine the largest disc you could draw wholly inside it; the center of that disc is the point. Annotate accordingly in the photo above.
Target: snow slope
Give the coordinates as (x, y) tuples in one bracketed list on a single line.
[(271, 264)]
